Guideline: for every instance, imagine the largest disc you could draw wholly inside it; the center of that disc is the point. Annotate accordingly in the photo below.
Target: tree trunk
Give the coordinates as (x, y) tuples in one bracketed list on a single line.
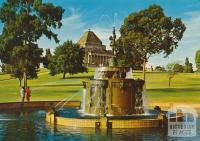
[(25, 80), (20, 82), (64, 73), (170, 81), (144, 70)]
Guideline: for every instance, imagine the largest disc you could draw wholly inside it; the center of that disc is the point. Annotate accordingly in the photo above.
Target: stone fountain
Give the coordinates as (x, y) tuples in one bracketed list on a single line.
[(112, 99), (113, 92)]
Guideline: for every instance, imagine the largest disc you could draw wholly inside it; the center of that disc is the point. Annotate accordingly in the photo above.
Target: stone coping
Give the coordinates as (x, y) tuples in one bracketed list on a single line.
[(104, 122), (37, 104)]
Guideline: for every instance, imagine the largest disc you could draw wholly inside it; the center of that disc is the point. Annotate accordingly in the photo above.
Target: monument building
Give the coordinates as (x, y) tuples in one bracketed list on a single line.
[(95, 52)]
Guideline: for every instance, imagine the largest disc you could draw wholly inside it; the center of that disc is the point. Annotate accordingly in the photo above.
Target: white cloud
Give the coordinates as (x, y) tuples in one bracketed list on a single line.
[(193, 29), (73, 21)]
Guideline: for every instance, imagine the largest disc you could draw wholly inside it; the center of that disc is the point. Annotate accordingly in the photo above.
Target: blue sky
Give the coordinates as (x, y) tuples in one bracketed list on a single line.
[(101, 15)]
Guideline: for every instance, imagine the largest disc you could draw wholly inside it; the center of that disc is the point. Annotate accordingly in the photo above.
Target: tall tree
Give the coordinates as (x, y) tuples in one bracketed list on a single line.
[(25, 21), (68, 58), (186, 65), (188, 68), (197, 60), (148, 32)]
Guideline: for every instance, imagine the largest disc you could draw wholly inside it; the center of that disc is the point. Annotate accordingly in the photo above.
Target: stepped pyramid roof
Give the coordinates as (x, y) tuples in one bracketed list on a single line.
[(89, 38)]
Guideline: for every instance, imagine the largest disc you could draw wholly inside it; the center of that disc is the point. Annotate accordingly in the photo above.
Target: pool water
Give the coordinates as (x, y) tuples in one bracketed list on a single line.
[(75, 113), (31, 126)]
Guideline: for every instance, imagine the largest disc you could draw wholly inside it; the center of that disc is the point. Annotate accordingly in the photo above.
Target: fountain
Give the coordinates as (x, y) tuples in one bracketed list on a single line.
[(112, 99)]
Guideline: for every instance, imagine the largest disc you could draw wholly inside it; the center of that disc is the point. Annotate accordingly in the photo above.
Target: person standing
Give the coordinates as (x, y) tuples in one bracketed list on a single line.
[(28, 93), (22, 93)]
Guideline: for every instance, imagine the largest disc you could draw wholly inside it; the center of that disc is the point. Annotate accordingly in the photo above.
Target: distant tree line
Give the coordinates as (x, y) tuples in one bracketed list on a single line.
[(176, 67)]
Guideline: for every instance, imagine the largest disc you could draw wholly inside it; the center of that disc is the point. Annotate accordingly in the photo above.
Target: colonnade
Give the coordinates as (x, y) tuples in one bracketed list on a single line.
[(96, 59)]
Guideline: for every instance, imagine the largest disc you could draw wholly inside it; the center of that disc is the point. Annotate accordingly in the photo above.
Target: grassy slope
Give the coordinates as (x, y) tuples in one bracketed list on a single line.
[(185, 87)]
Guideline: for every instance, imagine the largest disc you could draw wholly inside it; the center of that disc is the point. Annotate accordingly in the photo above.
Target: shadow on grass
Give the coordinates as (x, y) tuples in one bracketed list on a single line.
[(60, 85), (6, 79), (194, 79), (79, 77), (68, 91), (165, 90)]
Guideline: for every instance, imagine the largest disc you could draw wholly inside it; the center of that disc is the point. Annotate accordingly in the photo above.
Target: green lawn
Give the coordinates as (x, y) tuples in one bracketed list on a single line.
[(185, 87)]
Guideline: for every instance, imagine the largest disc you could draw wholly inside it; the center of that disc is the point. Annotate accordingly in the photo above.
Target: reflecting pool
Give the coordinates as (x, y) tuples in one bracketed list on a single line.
[(30, 125)]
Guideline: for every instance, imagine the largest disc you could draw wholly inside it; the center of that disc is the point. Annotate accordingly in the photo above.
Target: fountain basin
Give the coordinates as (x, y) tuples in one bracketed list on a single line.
[(127, 121)]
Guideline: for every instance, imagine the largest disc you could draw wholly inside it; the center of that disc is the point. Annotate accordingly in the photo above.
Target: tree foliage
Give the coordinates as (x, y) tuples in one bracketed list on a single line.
[(148, 32), (171, 72), (160, 68), (25, 21), (178, 68), (188, 68), (68, 58), (197, 60)]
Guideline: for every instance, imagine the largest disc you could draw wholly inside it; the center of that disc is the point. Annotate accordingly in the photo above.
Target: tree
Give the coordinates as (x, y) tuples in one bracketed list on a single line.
[(26, 59), (14, 71), (68, 58), (25, 21), (148, 32), (8, 69), (171, 72), (53, 66), (47, 58), (178, 68), (160, 68), (188, 66), (197, 60), (127, 56)]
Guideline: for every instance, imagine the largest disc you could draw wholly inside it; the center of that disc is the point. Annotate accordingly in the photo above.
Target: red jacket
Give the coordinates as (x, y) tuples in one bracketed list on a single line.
[(28, 92)]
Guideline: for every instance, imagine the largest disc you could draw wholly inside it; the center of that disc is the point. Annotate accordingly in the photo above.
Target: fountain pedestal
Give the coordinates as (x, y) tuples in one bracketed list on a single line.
[(111, 93)]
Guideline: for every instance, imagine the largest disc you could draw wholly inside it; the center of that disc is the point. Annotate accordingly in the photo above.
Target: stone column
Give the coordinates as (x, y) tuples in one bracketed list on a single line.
[(103, 60), (95, 59), (88, 59), (100, 59)]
